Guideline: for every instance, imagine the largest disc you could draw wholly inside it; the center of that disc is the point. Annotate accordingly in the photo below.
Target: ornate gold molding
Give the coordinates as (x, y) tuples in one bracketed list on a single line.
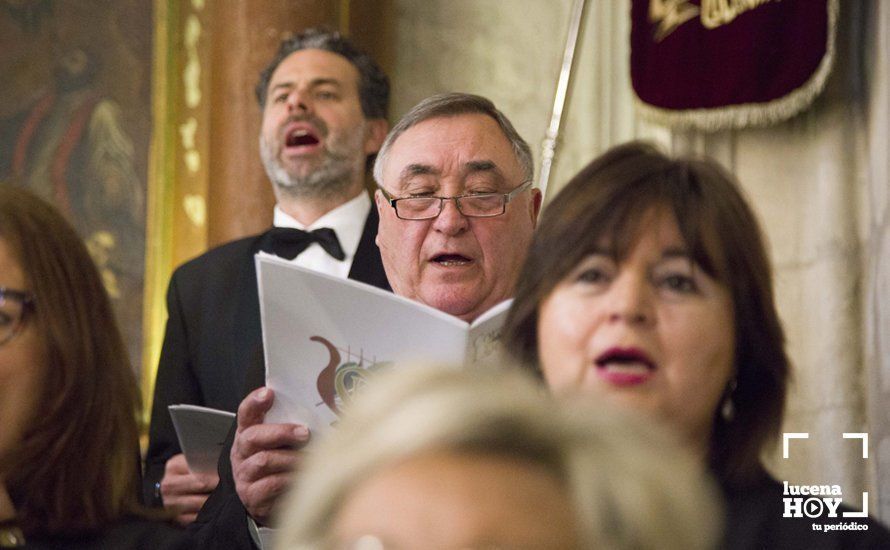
[(176, 227)]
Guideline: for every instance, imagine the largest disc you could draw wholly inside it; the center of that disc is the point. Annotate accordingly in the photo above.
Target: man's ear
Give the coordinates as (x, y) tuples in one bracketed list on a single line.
[(380, 202), (375, 133), (537, 199)]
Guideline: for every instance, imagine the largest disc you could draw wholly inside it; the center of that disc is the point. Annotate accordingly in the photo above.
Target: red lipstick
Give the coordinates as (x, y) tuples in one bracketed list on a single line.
[(625, 366)]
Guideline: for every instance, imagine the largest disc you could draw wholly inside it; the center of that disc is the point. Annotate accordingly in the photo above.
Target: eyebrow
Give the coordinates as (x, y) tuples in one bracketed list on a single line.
[(470, 167), (667, 254), (677, 252), (481, 166), (416, 169), (315, 82)]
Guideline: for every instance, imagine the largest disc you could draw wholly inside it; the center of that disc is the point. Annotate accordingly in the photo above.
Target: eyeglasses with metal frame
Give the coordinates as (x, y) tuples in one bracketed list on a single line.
[(14, 307), (481, 205)]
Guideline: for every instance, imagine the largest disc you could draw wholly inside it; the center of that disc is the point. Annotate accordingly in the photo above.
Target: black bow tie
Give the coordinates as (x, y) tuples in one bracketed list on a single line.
[(288, 242)]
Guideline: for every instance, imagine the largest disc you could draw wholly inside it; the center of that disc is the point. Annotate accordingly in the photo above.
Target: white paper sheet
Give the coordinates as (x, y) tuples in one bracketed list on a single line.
[(201, 432), (321, 332)]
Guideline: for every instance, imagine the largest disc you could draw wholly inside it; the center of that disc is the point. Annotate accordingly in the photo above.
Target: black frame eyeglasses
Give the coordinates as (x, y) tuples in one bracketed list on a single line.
[(14, 306), (481, 205)]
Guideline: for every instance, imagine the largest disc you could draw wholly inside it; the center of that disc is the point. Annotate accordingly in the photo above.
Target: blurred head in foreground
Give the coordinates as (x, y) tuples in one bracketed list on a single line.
[(447, 458)]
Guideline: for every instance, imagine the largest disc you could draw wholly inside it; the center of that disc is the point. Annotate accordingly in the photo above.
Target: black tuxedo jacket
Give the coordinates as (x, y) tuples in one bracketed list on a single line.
[(213, 338)]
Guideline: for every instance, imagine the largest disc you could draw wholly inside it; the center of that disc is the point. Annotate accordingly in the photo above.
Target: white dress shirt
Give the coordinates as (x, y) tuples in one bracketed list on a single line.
[(347, 221)]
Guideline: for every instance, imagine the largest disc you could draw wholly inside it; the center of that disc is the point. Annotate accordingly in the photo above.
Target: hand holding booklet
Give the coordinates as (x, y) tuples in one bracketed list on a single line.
[(322, 334)]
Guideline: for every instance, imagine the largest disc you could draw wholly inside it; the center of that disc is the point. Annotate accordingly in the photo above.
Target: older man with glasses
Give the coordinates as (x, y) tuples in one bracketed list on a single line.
[(455, 217), (457, 211)]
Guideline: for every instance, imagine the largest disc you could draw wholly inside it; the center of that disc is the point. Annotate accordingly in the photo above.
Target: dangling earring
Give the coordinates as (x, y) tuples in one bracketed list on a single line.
[(727, 409)]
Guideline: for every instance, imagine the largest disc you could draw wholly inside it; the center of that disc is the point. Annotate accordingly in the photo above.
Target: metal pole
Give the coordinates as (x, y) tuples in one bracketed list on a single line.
[(559, 100)]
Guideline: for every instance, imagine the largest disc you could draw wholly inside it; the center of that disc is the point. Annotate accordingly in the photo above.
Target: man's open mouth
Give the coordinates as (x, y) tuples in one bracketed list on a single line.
[(452, 260), (300, 137)]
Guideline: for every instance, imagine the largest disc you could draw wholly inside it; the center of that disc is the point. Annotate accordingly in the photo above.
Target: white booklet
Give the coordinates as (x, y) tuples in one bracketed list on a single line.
[(202, 432), (322, 333)]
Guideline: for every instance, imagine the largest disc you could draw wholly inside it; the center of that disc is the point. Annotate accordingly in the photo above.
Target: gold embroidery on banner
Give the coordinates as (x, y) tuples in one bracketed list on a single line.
[(716, 13), (668, 15)]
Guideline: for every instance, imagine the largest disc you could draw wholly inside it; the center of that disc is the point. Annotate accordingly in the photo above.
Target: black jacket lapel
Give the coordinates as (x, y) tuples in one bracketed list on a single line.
[(367, 266), (248, 335)]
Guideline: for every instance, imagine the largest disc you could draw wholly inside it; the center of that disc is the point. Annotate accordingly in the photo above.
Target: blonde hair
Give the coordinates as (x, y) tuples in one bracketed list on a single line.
[(623, 494)]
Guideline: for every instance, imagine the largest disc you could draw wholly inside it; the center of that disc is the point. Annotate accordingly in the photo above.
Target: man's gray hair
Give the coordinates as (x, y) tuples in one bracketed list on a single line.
[(450, 105)]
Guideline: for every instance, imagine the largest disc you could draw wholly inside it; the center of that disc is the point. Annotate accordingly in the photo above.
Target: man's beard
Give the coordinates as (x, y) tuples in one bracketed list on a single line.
[(334, 178)]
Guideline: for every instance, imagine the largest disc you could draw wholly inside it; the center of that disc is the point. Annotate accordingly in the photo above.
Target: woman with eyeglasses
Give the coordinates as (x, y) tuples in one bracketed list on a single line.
[(69, 469), (648, 284)]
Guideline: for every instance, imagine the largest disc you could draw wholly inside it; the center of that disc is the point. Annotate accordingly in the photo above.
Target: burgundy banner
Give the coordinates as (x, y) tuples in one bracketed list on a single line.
[(715, 64)]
